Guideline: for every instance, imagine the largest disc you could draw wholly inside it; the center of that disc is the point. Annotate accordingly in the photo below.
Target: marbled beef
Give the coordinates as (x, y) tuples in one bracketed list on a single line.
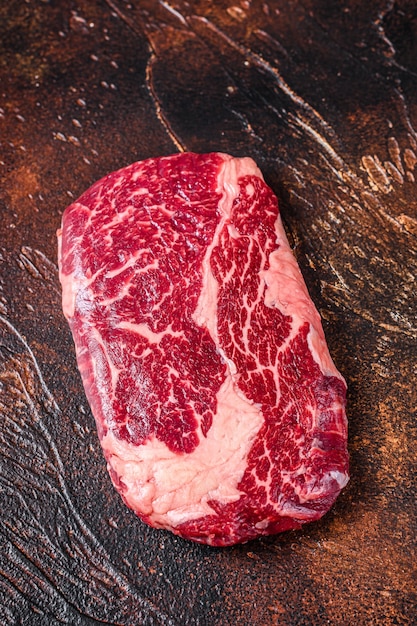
[(219, 410)]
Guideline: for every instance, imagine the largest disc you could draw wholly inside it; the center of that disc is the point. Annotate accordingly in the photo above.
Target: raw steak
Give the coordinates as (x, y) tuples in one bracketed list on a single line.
[(219, 410)]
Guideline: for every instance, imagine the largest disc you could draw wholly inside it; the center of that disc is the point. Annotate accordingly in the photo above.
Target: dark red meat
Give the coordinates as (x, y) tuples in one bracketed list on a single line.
[(218, 407)]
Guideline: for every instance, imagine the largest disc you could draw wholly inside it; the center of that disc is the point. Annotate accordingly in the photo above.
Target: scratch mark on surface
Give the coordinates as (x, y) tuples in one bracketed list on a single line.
[(412, 141), (39, 266), (132, 24), (236, 13), (271, 41), (255, 58), (309, 119), (137, 27), (378, 177), (394, 172), (159, 110), (404, 113), (326, 146), (403, 327), (174, 12), (395, 154), (28, 349), (410, 158), (408, 223)]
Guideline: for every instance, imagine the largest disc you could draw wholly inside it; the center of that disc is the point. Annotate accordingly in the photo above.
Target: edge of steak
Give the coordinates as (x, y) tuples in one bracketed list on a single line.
[(219, 409)]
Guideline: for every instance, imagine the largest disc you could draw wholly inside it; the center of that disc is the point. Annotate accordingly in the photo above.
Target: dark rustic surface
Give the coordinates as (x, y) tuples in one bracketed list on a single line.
[(323, 95)]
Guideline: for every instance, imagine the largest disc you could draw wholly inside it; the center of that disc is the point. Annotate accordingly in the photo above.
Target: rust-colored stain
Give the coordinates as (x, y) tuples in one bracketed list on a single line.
[(323, 96), (22, 185)]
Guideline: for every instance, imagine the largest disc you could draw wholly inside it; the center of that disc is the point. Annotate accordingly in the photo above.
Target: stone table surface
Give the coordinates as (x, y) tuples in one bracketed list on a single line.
[(323, 95)]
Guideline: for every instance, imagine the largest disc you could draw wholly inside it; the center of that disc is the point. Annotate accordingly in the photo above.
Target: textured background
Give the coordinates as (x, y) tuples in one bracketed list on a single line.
[(323, 95)]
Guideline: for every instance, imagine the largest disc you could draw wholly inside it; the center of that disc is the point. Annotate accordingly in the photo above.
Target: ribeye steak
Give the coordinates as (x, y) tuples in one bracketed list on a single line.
[(220, 412)]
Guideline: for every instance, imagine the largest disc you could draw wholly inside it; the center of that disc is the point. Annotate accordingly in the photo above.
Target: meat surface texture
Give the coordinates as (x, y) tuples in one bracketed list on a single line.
[(220, 412)]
